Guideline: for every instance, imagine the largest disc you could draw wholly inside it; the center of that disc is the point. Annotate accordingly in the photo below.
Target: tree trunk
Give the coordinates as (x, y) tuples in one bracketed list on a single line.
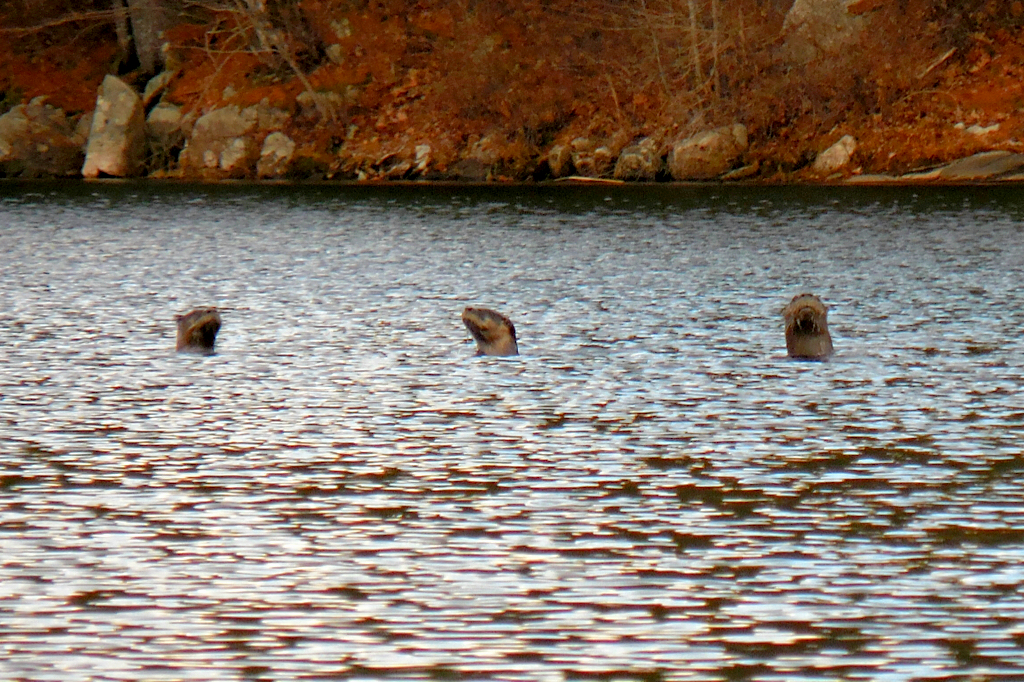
[(148, 19)]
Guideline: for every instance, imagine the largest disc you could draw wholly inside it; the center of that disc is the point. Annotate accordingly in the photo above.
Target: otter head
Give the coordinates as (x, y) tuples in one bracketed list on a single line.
[(493, 332), (197, 330), (807, 328)]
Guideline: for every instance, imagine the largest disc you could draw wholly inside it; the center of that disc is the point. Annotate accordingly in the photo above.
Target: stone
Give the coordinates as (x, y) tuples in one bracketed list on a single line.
[(493, 157), (709, 154), (268, 117), (165, 121), (603, 161), (983, 166), (224, 141), (470, 170), (394, 167), (335, 54), (590, 158), (38, 140), (583, 151), (155, 87), (836, 157), (639, 161), (326, 101), (982, 131), (238, 156), (117, 138), (560, 161), (424, 156), (275, 155), (166, 129), (213, 134), (225, 123), (816, 29)]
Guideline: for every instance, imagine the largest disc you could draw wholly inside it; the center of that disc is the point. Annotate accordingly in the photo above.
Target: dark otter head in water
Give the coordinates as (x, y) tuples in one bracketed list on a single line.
[(493, 332), (197, 330), (807, 328)]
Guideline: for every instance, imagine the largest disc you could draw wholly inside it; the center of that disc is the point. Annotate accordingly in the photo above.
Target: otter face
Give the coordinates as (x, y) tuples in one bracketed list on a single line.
[(197, 330), (807, 334), (493, 332)]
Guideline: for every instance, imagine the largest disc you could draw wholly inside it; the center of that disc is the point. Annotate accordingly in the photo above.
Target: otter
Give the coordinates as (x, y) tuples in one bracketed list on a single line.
[(807, 334), (197, 330), (493, 332)]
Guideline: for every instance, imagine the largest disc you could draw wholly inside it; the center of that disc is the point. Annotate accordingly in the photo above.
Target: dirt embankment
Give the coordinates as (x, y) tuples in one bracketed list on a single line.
[(927, 83)]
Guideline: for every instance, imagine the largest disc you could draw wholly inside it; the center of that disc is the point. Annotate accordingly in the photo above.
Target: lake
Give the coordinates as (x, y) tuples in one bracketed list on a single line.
[(650, 491)]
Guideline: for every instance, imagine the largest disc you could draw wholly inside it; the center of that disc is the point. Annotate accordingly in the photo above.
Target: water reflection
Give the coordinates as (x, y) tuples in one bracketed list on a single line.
[(650, 491)]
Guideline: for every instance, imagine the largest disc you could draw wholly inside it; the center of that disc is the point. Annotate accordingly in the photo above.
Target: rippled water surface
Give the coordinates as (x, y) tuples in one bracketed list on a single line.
[(651, 490)]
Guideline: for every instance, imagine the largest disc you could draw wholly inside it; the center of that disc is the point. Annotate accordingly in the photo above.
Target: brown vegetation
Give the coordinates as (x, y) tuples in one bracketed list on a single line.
[(386, 75)]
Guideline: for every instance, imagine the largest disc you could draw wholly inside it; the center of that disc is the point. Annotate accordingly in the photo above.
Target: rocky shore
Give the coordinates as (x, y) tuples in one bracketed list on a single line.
[(958, 119)]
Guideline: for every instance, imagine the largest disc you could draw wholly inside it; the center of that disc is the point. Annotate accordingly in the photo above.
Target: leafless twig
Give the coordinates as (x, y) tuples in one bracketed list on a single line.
[(938, 62), (272, 40), (99, 16)]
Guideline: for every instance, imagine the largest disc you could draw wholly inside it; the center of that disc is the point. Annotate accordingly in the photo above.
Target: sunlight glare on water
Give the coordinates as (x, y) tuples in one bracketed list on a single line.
[(651, 490)]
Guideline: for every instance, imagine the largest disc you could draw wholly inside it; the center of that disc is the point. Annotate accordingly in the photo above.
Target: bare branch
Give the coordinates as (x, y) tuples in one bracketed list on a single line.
[(104, 16), (271, 40)]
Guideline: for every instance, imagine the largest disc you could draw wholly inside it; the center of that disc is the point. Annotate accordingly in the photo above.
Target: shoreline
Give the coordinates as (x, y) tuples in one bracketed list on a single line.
[(582, 182)]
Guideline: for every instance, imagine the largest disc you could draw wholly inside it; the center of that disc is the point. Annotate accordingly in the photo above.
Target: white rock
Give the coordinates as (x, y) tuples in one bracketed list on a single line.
[(117, 138), (423, 158), (275, 156), (639, 161), (837, 156), (981, 131), (709, 154)]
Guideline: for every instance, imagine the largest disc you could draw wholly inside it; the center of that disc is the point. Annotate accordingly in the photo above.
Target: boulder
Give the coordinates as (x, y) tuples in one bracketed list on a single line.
[(709, 154), (166, 130), (639, 161), (817, 29), (983, 166), (225, 141), (424, 157), (275, 156), (156, 86), (836, 157), (991, 166), (492, 157), (213, 133), (603, 160), (560, 161), (117, 138), (590, 159), (268, 117), (470, 170), (38, 140), (238, 156)]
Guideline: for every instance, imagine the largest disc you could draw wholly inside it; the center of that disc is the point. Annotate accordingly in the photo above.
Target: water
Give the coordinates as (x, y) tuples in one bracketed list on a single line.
[(651, 490)]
